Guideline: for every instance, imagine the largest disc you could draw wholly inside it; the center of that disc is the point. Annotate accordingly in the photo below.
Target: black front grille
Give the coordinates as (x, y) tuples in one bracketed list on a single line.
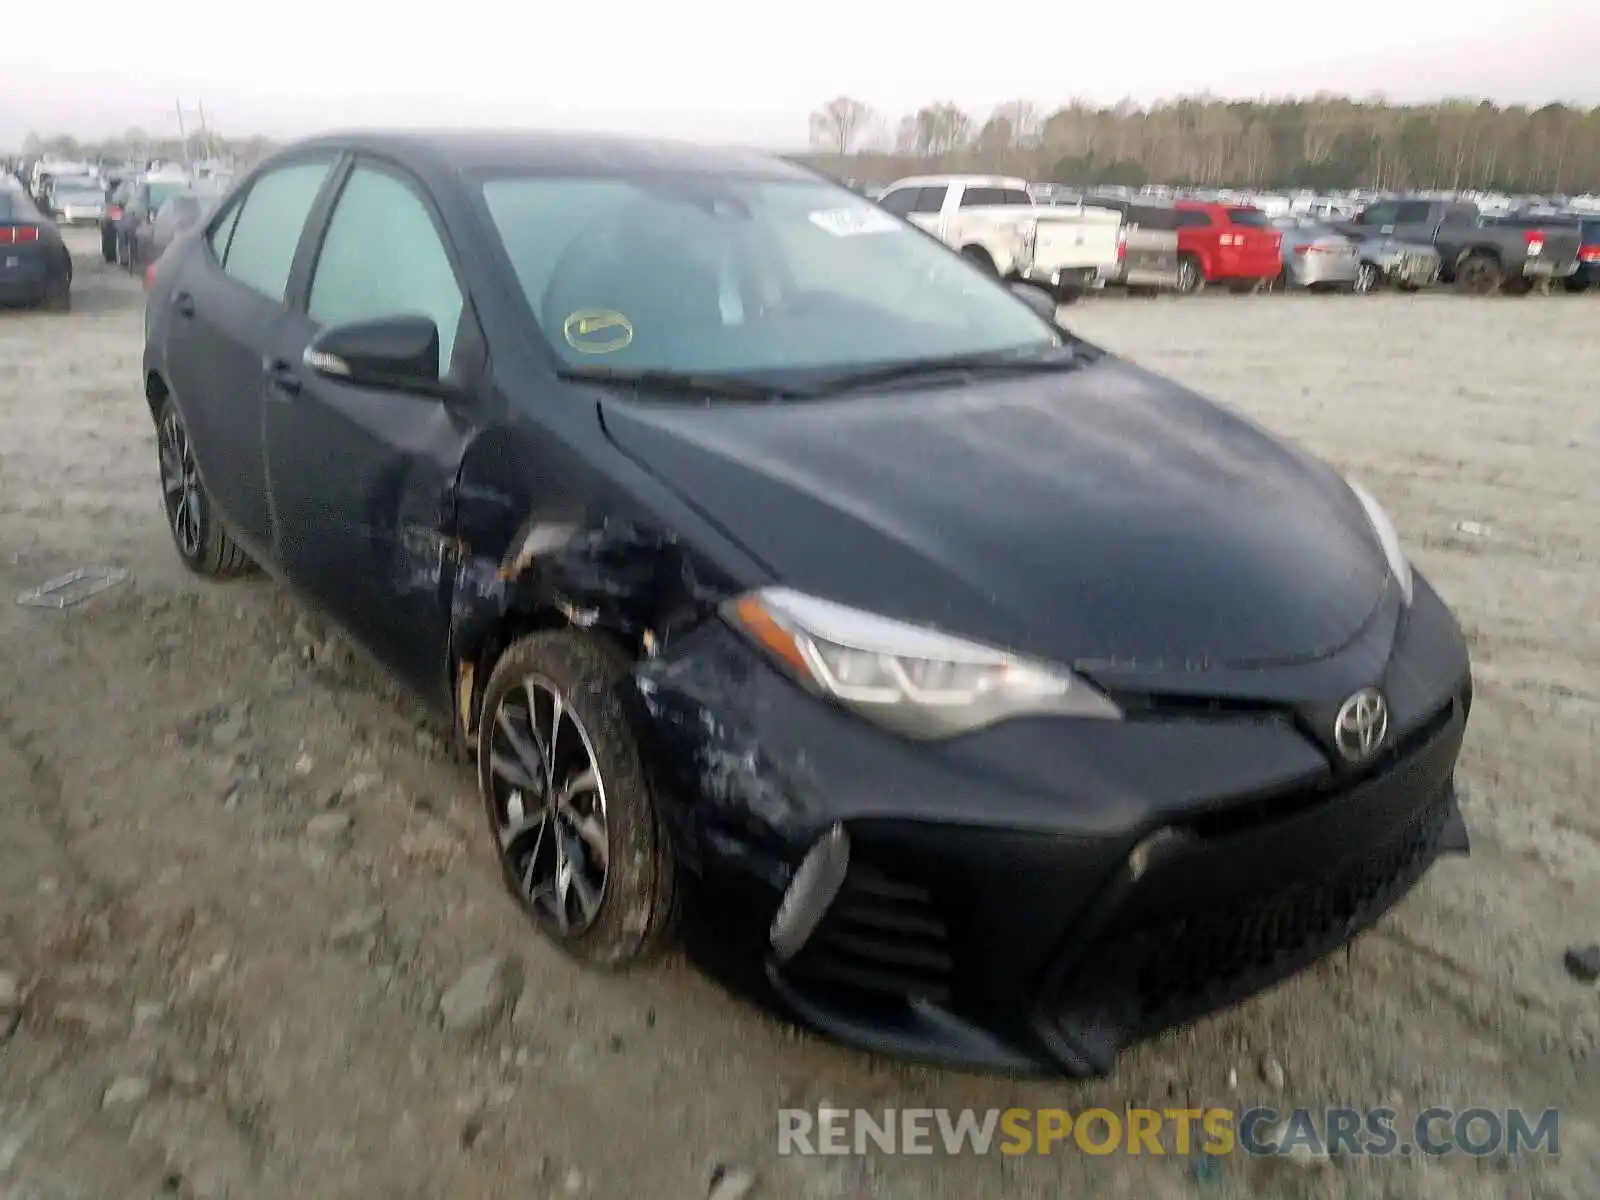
[(882, 939), (1144, 976)]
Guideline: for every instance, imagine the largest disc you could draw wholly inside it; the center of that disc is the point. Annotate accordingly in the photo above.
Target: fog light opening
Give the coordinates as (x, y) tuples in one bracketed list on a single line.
[(813, 889)]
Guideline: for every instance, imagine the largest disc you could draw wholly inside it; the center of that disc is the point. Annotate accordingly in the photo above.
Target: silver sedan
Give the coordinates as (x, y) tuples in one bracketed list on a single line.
[(1320, 258)]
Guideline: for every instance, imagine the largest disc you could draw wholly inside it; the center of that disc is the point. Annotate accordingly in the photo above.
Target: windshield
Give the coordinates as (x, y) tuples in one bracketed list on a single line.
[(710, 274), (79, 194)]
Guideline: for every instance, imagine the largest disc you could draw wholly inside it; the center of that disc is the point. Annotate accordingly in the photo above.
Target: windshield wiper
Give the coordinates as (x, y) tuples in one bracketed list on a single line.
[(1060, 358), (675, 383)]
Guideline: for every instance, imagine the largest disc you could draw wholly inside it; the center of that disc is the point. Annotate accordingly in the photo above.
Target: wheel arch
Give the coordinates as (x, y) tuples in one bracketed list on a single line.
[(156, 392)]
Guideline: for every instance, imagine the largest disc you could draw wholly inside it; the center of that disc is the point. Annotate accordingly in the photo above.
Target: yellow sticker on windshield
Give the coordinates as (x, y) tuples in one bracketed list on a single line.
[(597, 331)]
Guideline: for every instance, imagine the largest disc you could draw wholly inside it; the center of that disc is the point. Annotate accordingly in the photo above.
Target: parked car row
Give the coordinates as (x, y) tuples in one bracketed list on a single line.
[(1071, 244)]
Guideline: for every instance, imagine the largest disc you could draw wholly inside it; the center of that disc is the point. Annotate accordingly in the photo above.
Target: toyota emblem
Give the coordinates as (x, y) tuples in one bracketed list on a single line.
[(1362, 724)]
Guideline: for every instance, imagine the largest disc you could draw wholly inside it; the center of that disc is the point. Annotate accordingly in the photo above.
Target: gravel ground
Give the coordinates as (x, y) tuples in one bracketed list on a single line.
[(238, 875)]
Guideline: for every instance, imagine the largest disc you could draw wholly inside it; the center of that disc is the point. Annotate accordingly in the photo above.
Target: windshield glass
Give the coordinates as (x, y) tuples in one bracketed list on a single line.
[(719, 274), (80, 194)]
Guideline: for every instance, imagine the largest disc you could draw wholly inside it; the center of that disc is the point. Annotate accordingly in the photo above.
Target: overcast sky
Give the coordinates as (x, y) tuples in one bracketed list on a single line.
[(731, 70)]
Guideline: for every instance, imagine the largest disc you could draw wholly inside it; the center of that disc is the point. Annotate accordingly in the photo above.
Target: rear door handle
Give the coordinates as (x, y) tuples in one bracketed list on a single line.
[(184, 303), (282, 376)]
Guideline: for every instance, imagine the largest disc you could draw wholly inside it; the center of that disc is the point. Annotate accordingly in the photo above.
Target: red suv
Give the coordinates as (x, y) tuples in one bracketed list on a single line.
[(1225, 243)]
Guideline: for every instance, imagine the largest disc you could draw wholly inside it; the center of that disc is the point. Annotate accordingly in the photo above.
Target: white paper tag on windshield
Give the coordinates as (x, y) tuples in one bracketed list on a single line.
[(849, 222)]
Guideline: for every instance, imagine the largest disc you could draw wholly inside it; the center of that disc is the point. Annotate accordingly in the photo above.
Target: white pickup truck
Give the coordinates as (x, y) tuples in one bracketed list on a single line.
[(994, 221)]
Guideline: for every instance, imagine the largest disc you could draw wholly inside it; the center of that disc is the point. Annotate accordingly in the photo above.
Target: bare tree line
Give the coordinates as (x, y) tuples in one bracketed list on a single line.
[(1323, 141), (138, 144)]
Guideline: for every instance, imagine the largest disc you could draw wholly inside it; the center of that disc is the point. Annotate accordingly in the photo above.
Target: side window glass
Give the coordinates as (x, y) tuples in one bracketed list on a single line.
[(1412, 214), (383, 257), (1379, 214), (1189, 219), (267, 230), (899, 201), (930, 200), (219, 235)]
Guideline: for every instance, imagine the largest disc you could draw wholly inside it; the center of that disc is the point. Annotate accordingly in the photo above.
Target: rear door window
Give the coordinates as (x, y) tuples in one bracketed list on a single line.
[(989, 197), (1249, 218), (930, 200), (266, 231), (1193, 219), (899, 201)]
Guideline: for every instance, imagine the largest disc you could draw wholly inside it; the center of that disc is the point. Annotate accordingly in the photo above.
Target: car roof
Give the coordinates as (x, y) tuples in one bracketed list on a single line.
[(488, 150)]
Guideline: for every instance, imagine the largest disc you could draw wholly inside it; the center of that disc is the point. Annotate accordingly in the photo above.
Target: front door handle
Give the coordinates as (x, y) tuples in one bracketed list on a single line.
[(282, 376), (184, 303)]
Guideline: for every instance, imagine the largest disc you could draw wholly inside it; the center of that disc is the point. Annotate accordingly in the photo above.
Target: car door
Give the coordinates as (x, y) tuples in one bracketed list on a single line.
[(362, 478), (227, 307), (1413, 222)]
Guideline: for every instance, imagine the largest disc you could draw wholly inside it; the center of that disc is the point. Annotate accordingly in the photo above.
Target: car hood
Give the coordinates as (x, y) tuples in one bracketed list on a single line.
[(1098, 516)]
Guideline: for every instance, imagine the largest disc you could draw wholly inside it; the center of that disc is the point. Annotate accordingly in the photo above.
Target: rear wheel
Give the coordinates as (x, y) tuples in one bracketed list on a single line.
[(1478, 275), (57, 296), (979, 257), (1191, 279), (1366, 279), (197, 532), (1577, 286), (108, 245)]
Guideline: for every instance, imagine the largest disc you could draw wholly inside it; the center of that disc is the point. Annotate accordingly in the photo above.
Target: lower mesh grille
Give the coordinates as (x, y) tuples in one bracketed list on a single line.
[(883, 938), (1145, 977)]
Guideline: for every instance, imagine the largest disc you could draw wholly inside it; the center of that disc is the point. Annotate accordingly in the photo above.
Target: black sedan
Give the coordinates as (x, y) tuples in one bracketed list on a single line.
[(966, 692), (35, 264)]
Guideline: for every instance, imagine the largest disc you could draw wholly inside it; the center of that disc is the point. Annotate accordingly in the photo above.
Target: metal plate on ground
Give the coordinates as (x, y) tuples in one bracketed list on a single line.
[(73, 588)]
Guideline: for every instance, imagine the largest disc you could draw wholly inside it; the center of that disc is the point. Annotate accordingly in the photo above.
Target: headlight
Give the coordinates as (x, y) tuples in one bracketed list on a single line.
[(1383, 528), (908, 678)]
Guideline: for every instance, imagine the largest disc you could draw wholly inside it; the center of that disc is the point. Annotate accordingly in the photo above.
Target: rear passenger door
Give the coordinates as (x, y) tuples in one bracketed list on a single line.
[(363, 478), (227, 308)]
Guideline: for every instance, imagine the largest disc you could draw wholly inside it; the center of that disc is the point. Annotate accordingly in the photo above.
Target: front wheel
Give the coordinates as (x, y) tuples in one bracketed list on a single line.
[(1366, 279), (197, 532), (581, 844)]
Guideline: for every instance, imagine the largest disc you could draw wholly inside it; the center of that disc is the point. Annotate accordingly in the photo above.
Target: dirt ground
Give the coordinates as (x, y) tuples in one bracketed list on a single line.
[(237, 873)]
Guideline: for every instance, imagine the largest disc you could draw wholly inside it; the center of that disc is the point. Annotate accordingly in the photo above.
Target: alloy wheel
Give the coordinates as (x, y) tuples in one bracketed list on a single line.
[(180, 486), (1366, 278), (548, 805)]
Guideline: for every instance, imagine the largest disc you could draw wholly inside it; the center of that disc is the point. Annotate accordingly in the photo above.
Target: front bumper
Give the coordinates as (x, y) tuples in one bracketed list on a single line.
[(1063, 279), (1038, 896)]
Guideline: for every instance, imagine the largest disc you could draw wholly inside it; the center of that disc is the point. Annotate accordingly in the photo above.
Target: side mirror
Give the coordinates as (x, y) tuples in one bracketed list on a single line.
[(1036, 298), (398, 353)]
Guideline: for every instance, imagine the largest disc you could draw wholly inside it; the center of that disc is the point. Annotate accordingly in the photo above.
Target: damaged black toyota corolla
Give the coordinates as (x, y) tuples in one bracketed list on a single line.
[(971, 694)]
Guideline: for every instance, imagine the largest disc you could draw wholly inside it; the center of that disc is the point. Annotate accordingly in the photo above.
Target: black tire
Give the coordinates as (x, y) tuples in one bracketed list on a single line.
[(1576, 287), (979, 257), (1191, 279), (637, 910), (57, 296), (108, 245), (205, 547), (1478, 275), (122, 251)]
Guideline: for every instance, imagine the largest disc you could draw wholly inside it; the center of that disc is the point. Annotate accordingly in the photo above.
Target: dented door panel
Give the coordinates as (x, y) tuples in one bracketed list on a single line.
[(362, 485)]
